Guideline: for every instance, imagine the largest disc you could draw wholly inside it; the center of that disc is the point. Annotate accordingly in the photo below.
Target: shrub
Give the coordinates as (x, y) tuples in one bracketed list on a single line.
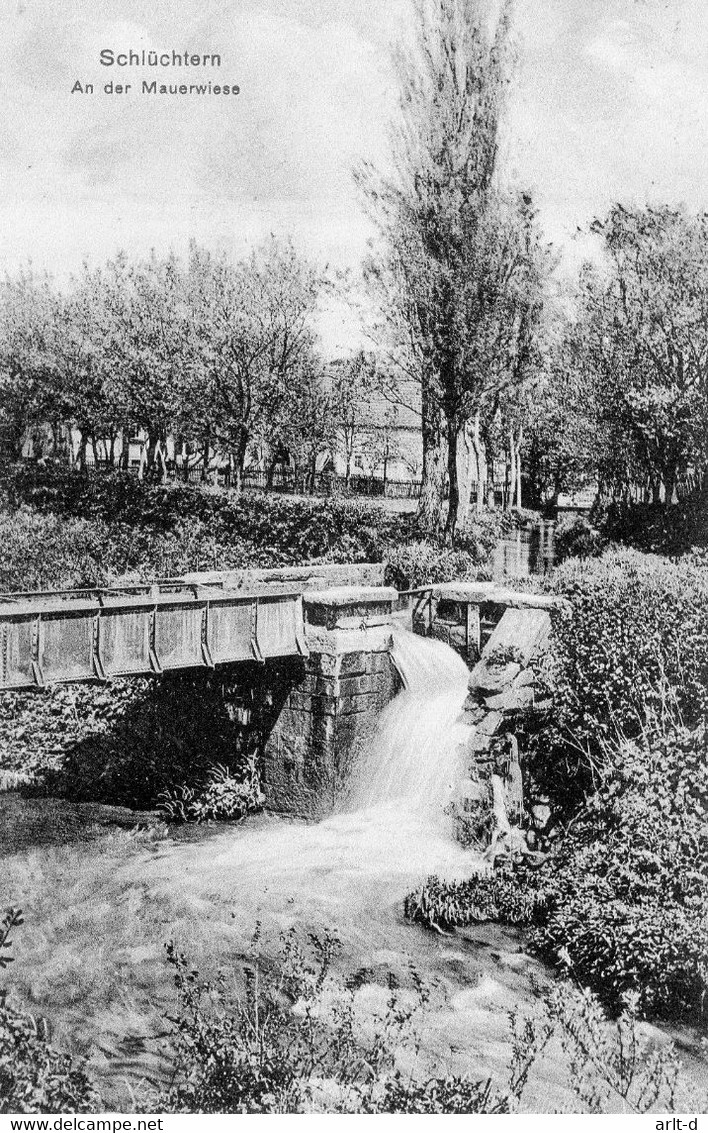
[(622, 900), (419, 563), (613, 1066), (575, 537), (632, 649), (128, 741), (44, 551), (654, 527), (34, 1077), (269, 529), (290, 1042), (223, 796)]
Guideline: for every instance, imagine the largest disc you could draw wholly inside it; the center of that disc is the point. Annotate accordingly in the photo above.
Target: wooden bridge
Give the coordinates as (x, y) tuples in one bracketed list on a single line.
[(130, 631)]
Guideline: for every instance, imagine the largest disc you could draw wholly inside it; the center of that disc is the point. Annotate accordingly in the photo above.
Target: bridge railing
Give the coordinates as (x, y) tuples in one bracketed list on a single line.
[(97, 634)]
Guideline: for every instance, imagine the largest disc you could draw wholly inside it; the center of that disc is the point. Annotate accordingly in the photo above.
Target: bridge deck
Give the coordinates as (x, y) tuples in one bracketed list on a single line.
[(47, 638)]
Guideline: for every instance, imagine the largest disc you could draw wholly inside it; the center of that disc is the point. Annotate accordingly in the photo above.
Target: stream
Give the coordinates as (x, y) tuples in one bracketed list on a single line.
[(101, 902)]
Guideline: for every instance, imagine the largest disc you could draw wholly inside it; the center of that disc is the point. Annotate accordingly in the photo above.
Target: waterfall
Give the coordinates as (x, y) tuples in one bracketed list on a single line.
[(415, 760)]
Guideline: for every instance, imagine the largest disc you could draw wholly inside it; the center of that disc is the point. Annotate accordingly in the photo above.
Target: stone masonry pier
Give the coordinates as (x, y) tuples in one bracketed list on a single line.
[(330, 714)]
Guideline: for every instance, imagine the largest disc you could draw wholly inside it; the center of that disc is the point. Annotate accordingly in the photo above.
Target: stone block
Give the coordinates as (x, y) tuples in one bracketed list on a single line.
[(323, 733), (481, 743), (523, 632), (491, 724), (353, 664), (350, 686), (488, 679), (511, 699), (339, 642), (525, 677)]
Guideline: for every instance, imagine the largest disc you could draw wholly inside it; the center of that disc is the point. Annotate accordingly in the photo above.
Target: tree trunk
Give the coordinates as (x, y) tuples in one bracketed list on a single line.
[(205, 455), (161, 461), (81, 454), (466, 466), (669, 487), (453, 503), (270, 472), (124, 461), (432, 487), (143, 465), (240, 460), (518, 475), (510, 485), (480, 461)]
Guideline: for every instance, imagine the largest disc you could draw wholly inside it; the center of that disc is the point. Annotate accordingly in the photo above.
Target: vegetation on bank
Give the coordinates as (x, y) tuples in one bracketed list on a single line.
[(281, 1031), (60, 528), (620, 899)]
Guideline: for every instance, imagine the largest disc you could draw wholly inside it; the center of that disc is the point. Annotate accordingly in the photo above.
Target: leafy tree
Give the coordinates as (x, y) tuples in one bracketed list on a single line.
[(644, 347), (461, 263), (250, 342), (146, 328), (27, 363), (354, 382)]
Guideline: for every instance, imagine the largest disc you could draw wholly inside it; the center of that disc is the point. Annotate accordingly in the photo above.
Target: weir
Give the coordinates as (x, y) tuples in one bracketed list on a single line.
[(415, 759), (309, 659)]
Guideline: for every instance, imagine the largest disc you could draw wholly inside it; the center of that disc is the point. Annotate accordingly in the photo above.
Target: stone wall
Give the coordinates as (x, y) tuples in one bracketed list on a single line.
[(328, 715), (503, 635), (292, 579)]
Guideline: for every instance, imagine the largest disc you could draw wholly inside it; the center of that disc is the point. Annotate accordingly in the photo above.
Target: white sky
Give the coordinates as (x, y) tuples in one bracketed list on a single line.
[(611, 103)]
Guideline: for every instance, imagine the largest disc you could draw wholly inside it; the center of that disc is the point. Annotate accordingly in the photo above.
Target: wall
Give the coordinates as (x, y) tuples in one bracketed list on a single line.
[(327, 716), (503, 635)]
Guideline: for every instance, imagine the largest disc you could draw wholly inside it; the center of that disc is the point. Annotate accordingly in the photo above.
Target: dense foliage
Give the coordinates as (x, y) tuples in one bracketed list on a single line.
[(620, 898), (651, 527), (130, 741), (621, 901), (632, 648), (576, 537)]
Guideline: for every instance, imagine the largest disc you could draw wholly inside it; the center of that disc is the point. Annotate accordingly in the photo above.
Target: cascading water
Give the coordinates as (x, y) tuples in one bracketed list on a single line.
[(352, 869), (415, 761)]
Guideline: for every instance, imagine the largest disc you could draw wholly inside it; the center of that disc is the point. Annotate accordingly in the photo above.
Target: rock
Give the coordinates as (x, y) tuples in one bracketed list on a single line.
[(541, 816), (526, 677), (489, 679), (511, 699)]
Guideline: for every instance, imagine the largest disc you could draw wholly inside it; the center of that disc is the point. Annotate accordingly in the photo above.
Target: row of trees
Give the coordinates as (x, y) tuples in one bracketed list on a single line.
[(218, 353), (605, 383)]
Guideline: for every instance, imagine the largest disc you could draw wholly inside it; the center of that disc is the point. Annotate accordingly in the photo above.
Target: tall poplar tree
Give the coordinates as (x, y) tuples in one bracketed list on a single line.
[(451, 267)]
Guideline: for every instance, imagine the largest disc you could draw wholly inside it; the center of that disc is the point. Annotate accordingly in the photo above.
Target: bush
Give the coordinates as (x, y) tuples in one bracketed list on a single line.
[(420, 563), (34, 1077), (621, 902), (632, 649), (171, 528), (575, 537), (654, 527), (223, 796), (291, 1043), (268, 530), (128, 742)]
